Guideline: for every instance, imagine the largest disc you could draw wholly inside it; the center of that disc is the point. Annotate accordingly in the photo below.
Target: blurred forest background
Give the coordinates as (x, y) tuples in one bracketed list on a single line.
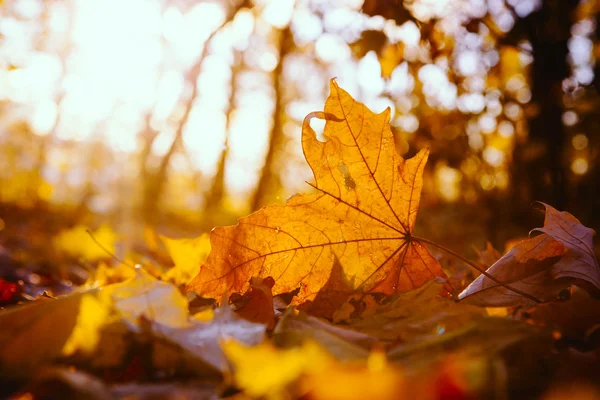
[(185, 114)]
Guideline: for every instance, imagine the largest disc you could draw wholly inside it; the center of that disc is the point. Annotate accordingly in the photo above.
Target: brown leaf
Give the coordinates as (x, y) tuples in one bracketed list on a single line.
[(202, 339), (418, 313), (340, 341), (489, 255), (539, 266), (362, 212), (575, 318), (579, 261), (256, 305)]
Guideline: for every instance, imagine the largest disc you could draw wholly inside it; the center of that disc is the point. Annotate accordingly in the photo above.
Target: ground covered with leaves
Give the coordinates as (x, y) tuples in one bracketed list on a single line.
[(330, 296)]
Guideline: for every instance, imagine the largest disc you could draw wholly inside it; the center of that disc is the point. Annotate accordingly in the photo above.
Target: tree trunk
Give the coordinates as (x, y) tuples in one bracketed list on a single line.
[(538, 167), (269, 179)]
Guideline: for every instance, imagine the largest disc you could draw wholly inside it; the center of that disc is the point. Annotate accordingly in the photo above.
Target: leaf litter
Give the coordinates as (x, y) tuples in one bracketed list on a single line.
[(330, 296)]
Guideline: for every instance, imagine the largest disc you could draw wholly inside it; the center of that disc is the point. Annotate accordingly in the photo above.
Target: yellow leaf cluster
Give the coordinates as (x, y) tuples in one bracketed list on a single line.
[(264, 370)]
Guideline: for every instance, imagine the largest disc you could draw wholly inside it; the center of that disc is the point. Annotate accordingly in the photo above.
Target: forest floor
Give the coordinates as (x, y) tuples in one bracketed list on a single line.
[(100, 329)]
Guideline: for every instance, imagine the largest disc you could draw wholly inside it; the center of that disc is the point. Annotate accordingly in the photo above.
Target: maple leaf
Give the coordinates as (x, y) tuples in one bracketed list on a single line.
[(362, 212), (535, 266)]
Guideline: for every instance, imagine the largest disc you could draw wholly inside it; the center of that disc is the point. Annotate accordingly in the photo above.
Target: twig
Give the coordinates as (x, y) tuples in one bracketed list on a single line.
[(108, 251), (475, 266)]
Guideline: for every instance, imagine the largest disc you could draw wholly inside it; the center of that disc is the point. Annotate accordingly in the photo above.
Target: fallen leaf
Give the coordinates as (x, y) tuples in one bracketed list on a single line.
[(362, 212), (513, 351), (340, 341), (188, 255), (579, 261), (145, 296), (105, 275), (93, 315), (78, 243), (264, 370), (535, 266), (46, 330), (526, 267), (488, 256), (307, 369), (256, 305), (66, 383), (202, 339), (575, 318), (375, 379), (421, 312), (43, 331)]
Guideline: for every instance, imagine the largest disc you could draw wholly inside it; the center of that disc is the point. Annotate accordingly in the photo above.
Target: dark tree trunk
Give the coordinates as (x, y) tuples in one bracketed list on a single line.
[(539, 171)]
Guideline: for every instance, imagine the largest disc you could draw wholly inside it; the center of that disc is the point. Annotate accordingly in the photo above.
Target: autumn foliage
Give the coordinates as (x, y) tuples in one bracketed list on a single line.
[(361, 214), (329, 296)]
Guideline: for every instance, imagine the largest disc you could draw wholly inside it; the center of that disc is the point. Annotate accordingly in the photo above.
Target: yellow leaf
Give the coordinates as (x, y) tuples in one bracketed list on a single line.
[(264, 370), (205, 315), (145, 296), (376, 380), (93, 314), (361, 214), (77, 242), (105, 275), (187, 255), (39, 333)]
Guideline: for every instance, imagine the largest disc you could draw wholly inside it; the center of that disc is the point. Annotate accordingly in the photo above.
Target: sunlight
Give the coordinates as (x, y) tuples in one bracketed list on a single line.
[(579, 166)]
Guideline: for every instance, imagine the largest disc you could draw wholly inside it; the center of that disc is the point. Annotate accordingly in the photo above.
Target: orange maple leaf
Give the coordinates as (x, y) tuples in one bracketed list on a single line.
[(362, 213)]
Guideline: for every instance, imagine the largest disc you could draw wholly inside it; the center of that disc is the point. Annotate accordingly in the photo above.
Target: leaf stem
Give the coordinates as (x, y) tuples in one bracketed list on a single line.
[(475, 266), (108, 251)]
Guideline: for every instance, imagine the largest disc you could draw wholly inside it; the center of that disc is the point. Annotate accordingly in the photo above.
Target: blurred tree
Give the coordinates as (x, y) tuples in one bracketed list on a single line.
[(201, 112)]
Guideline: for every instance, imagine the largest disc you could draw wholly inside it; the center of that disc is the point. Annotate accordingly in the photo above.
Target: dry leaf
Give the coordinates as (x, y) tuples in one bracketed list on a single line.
[(415, 314), (256, 305), (145, 296), (40, 332), (274, 373), (579, 261), (46, 330), (362, 212), (202, 339), (488, 256), (526, 267), (342, 342), (575, 318), (187, 255), (264, 370), (535, 266)]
